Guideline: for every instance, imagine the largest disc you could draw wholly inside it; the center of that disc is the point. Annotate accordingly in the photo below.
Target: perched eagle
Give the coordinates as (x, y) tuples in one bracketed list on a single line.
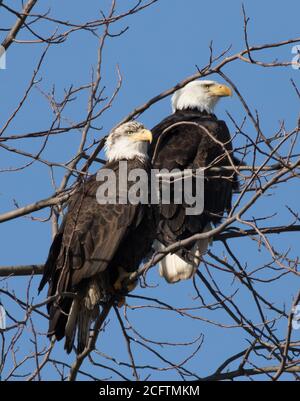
[(98, 245), (192, 138)]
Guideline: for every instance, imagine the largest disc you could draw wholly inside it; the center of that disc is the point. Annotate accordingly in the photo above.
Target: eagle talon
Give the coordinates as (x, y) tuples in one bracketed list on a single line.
[(123, 284), (121, 302)]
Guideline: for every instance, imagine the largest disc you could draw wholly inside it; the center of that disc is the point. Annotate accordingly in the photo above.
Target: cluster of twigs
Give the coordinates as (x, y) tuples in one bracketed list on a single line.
[(270, 162)]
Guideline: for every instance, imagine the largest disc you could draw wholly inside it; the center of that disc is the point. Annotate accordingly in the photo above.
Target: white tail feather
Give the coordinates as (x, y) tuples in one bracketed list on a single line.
[(173, 268)]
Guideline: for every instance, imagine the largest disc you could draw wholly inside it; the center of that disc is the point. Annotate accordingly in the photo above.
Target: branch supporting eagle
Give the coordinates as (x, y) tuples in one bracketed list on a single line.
[(99, 246)]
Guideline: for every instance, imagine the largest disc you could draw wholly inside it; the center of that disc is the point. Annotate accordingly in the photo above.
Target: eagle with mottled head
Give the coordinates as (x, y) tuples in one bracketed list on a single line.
[(98, 246)]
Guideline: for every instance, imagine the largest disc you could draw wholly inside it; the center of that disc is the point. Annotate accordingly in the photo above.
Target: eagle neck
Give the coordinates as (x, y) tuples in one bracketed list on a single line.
[(194, 111)]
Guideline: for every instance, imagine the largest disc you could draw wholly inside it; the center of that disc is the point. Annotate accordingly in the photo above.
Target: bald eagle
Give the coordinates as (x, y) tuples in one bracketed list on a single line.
[(192, 138), (98, 245)]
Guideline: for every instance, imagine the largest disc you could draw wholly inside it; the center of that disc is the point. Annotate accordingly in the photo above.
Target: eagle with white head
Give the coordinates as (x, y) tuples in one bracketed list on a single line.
[(191, 138)]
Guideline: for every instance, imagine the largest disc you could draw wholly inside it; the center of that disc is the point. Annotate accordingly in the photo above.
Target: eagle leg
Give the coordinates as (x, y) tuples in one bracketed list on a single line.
[(121, 302)]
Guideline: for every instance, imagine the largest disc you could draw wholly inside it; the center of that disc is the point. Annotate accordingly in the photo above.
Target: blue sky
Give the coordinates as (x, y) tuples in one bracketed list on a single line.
[(162, 46)]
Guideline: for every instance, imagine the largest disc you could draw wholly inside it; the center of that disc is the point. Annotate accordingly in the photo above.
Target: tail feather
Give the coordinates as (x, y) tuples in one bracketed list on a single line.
[(70, 328), (174, 268), (58, 318), (83, 311), (84, 322)]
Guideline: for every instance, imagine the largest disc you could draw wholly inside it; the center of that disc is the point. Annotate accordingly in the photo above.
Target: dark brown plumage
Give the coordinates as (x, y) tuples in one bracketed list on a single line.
[(96, 248), (185, 147)]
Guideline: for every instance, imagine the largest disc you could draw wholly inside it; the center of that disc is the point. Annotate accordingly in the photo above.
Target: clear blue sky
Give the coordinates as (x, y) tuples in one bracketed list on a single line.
[(162, 47)]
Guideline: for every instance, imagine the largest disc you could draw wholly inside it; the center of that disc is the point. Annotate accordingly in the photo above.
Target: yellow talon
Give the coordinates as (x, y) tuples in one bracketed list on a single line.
[(121, 302), (123, 276)]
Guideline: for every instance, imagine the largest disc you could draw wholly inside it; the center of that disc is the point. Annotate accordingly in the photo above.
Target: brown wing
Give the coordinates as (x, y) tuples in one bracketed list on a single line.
[(93, 238), (186, 146), (88, 239)]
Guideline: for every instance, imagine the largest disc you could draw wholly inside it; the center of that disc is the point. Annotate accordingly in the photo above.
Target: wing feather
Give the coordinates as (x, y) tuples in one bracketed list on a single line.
[(88, 239), (183, 147)]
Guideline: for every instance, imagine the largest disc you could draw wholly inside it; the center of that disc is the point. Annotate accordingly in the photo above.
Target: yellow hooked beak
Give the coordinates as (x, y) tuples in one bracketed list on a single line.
[(220, 90), (143, 135)]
